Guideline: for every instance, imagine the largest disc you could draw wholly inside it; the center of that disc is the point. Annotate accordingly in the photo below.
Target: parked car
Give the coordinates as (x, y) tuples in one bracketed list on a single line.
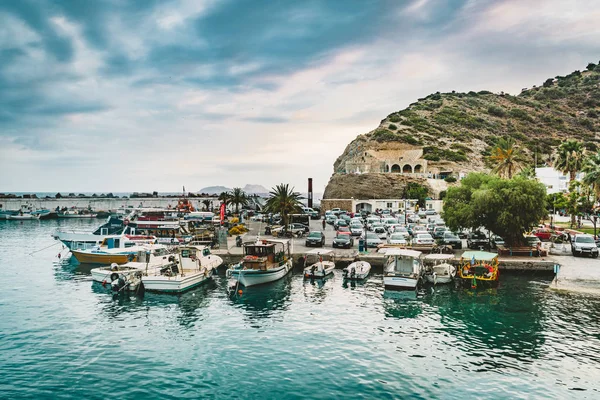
[(330, 219), (315, 238), (532, 240), (343, 240), (584, 245), (450, 239), (419, 230), (372, 240), (438, 232), (295, 229), (339, 222), (402, 230), (423, 239), (396, 238), (543, 233), (380, 232), (344, 229), (496, 241), (430, 212), (356, 229), (297, 226), (477, 239)]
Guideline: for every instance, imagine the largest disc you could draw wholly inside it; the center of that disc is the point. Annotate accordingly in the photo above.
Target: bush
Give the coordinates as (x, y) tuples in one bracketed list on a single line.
[(496, 111), (591, 66), (450, 179), (586, 123), (392, 127), (592, 114), (520, 114), (394, 118), (548, 82), (383, 135)]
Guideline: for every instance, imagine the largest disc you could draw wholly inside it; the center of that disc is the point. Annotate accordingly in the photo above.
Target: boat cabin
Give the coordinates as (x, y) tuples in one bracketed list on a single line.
[(263, 254), (125, 241), (403, 263), (317, 255)]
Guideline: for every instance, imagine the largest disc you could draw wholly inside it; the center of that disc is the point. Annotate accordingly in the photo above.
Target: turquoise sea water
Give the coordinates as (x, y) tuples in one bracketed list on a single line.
[(62, 336)]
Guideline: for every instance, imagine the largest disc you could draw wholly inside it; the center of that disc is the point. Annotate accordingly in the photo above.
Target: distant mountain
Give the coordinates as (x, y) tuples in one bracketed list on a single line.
[(255, 189), (214, 190)]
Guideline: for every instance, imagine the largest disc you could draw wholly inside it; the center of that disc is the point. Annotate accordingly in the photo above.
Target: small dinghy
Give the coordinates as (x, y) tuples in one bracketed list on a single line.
[(318, 263), (437, 268), (357, 270)]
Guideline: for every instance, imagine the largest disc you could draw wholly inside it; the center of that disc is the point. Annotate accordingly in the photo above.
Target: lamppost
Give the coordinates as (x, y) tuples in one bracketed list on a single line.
[(595, 220), (405, 221), (553, 212)]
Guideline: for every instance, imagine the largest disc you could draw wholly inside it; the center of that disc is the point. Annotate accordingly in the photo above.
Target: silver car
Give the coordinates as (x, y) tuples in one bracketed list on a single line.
[(423, 238), (372, 240)]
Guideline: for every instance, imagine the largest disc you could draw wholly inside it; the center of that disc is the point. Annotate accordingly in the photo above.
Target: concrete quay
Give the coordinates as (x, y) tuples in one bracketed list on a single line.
[(102, 204)]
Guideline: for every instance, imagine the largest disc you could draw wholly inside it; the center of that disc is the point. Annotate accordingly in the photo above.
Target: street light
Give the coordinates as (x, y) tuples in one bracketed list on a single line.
[(405, 221)]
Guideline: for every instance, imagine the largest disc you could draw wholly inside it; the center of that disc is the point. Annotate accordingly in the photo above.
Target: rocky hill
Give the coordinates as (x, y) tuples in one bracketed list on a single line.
[(456, 131)]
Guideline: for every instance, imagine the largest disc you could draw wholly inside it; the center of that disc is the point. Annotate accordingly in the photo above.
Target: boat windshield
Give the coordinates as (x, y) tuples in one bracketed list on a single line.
[(403, 265), (259, 251)]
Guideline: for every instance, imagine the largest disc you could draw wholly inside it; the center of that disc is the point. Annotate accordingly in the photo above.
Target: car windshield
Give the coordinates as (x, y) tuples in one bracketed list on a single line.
[(342, 237), (396, 236), (343, 229), (372, 236), (584, 239), (478, 235), (450, 236), (315, 235), (424, 236)]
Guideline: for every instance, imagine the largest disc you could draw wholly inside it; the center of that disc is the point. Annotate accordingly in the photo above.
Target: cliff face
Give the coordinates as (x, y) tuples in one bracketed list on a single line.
[(457, 131)]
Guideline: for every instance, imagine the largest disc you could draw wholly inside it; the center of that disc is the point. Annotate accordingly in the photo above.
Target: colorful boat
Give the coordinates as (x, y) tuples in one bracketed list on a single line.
[(74, 239), (118, 250), (264, 261), (478, 269)]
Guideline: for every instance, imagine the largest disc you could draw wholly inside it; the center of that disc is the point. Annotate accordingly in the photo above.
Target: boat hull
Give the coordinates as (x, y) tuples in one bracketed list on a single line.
[(101, 258), (361, 271), (249, 277), (176, 284), (400, 283), (438, 279), (25, 217)]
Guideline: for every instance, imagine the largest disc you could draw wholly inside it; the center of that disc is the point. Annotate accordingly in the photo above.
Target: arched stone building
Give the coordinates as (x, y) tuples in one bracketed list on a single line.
[(397, 161)]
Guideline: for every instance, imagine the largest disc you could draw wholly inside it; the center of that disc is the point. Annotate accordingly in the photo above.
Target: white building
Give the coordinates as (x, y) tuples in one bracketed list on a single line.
[(555, 181)]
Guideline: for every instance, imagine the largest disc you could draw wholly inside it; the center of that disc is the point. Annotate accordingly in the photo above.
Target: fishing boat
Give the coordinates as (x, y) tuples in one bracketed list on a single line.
[(120, 250), (357, 270), (148, 261), (403, 269), (438, 269), (478, 269), (318, 263), (23, 216), (193, 266), (74, 213), (74, 239), (264, 261)]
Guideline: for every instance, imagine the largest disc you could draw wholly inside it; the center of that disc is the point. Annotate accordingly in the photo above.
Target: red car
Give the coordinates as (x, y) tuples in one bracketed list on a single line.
[(343, 230), (544, 233)]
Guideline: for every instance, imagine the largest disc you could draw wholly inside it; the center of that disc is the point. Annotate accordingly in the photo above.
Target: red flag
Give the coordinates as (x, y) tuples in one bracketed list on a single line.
[(222, 211)]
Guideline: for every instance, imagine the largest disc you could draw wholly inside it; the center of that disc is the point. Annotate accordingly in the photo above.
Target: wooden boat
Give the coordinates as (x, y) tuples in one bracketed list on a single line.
[(438, 269), (118, 250), (318, 263), (23, 216), (264, 261), (478, 269), (403, 269), (193, 266), (76, 214), (357, 270)]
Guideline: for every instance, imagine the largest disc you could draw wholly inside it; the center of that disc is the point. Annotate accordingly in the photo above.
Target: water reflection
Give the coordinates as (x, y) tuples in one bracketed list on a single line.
[(263, 301), (316, 290), (402, 304)]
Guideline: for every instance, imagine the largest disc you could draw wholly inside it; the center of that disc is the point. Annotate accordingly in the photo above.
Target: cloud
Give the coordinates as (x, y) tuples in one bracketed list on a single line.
[(231, 92)]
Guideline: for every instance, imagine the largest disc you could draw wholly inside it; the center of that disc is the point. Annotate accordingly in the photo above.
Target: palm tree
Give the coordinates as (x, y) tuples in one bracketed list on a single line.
[(207, 204), (569, 159), (238, 197), (503, 155), (591, 167), (283, 200)]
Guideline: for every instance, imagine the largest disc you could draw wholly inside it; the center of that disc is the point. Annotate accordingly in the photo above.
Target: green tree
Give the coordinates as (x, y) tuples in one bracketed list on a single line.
[(591, 167), (504, 158), (282, 199), (238, 197), (207, 204), (506, 207), (527, 173), (569, 160), (415, 191), (225, 197)]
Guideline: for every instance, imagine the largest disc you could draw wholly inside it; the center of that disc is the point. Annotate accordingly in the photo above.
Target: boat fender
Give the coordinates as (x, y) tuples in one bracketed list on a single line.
[(114, 276)]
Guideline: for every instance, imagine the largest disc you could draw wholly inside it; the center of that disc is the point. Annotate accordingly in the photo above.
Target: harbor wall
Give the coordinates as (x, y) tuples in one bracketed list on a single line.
[(103, 204)]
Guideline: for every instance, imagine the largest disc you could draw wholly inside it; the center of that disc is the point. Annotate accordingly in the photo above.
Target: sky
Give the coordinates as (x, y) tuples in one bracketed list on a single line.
[(121, 96)]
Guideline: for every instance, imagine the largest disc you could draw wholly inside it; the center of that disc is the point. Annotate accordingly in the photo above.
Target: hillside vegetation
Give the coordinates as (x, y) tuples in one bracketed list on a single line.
[(457, 131)]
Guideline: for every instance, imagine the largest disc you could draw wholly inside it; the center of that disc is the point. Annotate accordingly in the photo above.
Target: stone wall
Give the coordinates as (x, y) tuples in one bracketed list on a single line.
[(328, 204)]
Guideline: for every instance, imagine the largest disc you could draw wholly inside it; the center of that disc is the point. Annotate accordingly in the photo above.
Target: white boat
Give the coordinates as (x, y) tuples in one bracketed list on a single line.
[(357, 270), (193, 266), (403, 269), (147, 262), (74, 239), (85, 213), (21, 216), (318, 263), (438, 269), (264, 261)]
